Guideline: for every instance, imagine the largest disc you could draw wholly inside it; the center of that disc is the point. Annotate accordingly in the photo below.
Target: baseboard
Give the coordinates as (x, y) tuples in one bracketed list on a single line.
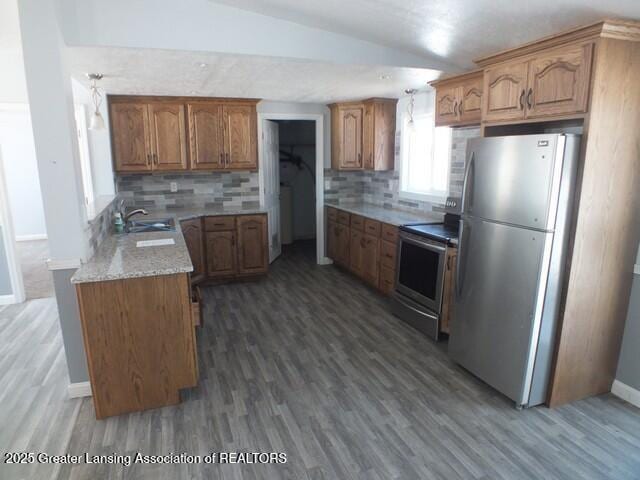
[(7, 299), (80, 389), (29, 238), (626, 392)]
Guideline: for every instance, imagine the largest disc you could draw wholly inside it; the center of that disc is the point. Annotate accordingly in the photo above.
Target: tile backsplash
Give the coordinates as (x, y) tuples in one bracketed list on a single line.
[(194, 189), (383, 188), (101, 226)]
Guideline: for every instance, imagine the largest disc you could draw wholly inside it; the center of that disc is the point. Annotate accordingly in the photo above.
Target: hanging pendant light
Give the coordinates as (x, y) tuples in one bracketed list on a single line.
[(97, 121), (410, 124)]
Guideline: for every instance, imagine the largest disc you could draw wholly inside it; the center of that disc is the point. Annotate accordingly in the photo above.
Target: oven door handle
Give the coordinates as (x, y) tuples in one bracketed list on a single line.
[(430, 246), (461, 259)]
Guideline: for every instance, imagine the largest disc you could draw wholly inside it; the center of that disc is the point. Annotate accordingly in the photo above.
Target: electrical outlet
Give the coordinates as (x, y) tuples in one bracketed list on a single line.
[(173, 186)]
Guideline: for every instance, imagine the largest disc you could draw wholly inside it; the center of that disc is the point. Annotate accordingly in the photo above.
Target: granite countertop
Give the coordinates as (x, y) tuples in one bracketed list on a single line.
[(119, 258), (388, 215)]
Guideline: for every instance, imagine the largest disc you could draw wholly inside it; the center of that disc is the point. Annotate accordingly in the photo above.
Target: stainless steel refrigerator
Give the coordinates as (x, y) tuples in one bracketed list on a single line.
[(516, 207)]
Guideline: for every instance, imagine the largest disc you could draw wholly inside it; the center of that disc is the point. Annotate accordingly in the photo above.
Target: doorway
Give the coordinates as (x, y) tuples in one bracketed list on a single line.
[(25, 210), (292, 180)]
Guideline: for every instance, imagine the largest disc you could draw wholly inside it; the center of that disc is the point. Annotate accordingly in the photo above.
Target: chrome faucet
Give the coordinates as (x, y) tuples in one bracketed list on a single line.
[(127, 216)]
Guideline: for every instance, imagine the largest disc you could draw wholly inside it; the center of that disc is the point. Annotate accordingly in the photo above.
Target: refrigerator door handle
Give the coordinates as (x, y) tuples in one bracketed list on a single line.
[(459, 264), (465, 183)]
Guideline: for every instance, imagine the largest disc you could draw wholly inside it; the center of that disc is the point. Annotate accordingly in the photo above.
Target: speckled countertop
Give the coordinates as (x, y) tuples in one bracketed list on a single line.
[(387, 215), (119, 258)]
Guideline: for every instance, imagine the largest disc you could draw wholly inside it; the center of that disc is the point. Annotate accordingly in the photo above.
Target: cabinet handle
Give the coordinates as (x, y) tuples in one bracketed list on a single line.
[(521, 100), (148, 158), (155, 157), (222, 159), (455, 108), (460, 108), (228, 159), (529, 93)]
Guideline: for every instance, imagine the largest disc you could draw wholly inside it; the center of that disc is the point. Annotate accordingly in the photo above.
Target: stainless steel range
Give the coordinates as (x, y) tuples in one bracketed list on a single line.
[(422, 252)]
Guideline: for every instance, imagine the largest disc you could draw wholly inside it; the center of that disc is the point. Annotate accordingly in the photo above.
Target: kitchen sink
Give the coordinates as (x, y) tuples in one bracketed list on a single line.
[(151, 225)]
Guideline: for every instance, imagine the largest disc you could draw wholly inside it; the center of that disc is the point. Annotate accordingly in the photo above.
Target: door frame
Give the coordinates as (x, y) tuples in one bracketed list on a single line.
[(8, 237), (321, 259)]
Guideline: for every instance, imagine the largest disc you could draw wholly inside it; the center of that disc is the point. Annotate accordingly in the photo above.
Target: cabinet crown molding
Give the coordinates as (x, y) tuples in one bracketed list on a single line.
[(457, 78), (610, 28)]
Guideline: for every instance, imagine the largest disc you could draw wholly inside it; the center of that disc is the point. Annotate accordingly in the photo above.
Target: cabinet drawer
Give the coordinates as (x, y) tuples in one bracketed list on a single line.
[(216, 224), (387, 279), (372, 227), (332, 214), (343, 218), (389, 233), (357, 222), (388, 254)]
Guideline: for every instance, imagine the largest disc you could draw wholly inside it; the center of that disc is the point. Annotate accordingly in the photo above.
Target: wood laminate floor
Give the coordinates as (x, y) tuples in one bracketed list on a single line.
[(311, 363)]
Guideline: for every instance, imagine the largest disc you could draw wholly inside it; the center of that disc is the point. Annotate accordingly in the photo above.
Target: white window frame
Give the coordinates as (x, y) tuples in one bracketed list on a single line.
[(85, 160), (404, 193)]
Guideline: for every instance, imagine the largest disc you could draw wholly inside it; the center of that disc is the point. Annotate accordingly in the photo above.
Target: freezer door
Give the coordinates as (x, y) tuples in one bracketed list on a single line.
[(495, 303), (514, 179)]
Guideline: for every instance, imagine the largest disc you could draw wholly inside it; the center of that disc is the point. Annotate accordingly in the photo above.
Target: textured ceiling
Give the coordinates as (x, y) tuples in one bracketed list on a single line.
[(456, 30), (170, 72)]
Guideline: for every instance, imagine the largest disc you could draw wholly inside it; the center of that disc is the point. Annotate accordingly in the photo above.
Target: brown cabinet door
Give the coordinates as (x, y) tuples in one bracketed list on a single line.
[(351, 145), (130, 137), (342, 245), (446, 105), (221, 254), (368, 136), (192, 231), (470, 101), (253, 254), (356, 248), (168, 137), (331, 239), (206, 136), (504, 91), (559, 82), (370, 258), (240, 132)]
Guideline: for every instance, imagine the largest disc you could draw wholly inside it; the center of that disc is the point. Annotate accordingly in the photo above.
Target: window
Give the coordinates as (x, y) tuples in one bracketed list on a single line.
[(425, 157), (85, 160)]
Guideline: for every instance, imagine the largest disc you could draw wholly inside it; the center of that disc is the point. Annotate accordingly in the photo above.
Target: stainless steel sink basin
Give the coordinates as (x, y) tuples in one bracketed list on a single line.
[(151, 225)]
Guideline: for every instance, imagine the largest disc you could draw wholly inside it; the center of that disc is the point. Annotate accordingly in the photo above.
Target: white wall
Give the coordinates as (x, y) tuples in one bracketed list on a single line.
[(99, 143), (21, 171)]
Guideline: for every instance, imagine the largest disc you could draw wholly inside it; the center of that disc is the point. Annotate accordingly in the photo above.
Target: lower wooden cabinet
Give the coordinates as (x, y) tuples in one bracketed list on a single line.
[(221, 254), (253, 245), (365, 246), (227, 246), (194, 238), (370, 259)]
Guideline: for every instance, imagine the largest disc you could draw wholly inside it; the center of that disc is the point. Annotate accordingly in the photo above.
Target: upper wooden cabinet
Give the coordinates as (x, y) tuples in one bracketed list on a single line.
[(175, 133), (505, 87), (459, 99), (363, 134), (206, 136), (130, 137), (548, 84), (559, 82), (240, 137), (167, 136)]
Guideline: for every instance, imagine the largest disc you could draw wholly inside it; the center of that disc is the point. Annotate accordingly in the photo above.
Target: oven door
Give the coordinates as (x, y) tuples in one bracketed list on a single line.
[(420, 270)]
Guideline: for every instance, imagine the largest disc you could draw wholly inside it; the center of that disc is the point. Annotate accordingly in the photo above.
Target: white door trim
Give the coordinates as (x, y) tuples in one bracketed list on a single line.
[(319, 119), (15, 273)]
